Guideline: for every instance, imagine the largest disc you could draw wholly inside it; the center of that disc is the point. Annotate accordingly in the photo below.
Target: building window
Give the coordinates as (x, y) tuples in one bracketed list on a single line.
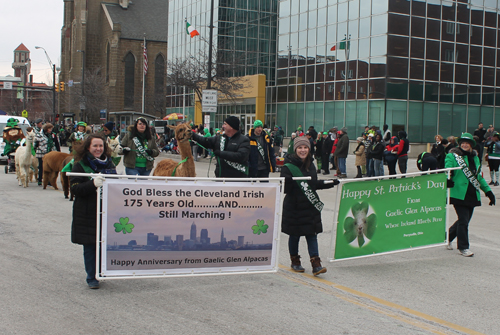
[(159, 88), (107, 61), (128, 98)]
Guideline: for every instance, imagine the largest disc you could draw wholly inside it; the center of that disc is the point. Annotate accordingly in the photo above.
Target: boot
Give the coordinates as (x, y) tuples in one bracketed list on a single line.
[(316, 265), (296, 264)]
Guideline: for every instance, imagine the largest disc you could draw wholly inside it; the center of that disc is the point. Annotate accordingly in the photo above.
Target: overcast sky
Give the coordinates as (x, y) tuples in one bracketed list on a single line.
[(33, 23)]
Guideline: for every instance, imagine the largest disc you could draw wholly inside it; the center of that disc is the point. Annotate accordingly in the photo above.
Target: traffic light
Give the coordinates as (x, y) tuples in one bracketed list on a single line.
[(61, 85), (57, 87), (57, 117)]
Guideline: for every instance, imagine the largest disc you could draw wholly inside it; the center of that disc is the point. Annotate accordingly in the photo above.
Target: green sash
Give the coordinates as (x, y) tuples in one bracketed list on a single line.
[(234, 165), (140, 150), (310, 194), (468, 174)]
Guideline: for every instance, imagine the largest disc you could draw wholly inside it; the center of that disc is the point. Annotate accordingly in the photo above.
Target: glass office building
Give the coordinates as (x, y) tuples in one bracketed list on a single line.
[(245, 34), (428, 67)]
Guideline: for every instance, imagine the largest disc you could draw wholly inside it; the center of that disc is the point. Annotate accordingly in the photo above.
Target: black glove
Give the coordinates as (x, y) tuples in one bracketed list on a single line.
[(491, 196), (149, 152), (126, 149), (450, 183), (217, 153), (336, 182), (2, 154)]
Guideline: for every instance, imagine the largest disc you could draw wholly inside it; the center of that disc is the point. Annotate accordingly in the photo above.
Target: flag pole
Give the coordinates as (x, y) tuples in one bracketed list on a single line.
[(144, 72)]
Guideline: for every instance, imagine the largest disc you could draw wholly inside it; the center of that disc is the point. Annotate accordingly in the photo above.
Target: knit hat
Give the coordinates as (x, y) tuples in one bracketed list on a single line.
[(298, 141), (344, 130), (467, 137), (233, 121), (38, 120), (257, 123), (109, 125), (325, 133)]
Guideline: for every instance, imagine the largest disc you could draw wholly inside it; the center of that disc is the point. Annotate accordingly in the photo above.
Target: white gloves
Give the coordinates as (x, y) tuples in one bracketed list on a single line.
[(98, 181)]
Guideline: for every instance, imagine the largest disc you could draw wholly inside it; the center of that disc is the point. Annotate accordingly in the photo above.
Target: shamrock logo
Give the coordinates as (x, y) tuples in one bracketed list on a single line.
[(124, 226), (260, 227), (361, 225)]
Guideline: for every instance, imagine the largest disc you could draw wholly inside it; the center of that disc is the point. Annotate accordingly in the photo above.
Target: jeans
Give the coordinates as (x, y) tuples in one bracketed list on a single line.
[(378, 167), (341, 162), (137, 171), (369, 167), (460, 228), (312, 245), (89, 256)]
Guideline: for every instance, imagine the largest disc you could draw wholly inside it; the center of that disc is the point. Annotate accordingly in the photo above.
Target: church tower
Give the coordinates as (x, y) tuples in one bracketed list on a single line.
[(22, 62)]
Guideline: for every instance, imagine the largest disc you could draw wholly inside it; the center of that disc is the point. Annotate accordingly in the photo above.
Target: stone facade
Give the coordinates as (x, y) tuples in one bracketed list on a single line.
[(90, 26)]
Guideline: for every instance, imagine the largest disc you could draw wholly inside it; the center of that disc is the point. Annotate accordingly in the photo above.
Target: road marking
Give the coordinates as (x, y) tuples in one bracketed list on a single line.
[(406, 315)]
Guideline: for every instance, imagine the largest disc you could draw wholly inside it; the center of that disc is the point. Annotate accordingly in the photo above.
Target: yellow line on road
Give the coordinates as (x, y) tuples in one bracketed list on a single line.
[(385, 303)]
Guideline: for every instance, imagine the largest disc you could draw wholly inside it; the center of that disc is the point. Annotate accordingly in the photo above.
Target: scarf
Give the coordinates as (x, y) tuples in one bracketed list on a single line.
[(50, 141), (304, 186), (98, 165), (79, 136), (140, 150)]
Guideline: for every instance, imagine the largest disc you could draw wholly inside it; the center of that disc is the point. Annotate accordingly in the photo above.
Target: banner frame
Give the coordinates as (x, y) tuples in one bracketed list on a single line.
[(331, 252), (99, 241)]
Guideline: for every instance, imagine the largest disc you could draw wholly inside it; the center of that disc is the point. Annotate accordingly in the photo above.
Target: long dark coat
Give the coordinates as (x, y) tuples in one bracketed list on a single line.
[(299, 215)]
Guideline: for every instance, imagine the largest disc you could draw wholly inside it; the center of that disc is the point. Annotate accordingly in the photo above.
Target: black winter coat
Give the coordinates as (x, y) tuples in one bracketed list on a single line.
[(237, 149), (83, 228), (253, 159), (300, 217)]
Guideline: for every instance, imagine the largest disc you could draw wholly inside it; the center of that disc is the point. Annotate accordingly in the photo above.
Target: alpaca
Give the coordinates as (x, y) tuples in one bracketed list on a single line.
[(166, 167), (52, 164), (24, 158), (33, 169), (115, 146)]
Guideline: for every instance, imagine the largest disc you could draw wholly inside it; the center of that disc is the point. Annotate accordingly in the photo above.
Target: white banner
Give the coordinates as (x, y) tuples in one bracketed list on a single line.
[(177, 228)]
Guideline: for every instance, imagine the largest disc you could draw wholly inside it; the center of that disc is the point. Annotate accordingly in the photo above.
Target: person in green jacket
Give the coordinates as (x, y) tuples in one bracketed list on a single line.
[(464, 193), (290, 145)]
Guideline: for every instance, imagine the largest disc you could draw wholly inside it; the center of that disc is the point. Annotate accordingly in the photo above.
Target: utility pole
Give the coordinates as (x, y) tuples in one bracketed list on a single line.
[(54, 93), (82, 98), (210, 46)]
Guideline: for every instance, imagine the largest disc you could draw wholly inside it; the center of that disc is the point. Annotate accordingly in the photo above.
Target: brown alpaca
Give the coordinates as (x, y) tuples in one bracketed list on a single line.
[(65, 179), (52, 164), (166, 167)]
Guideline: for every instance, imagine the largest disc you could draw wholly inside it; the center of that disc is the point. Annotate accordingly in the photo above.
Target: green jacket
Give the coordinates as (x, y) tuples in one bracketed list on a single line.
[(461, 182)]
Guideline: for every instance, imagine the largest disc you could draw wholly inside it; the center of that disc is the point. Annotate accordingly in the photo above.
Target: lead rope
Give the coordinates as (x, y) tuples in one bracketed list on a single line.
[(211, 157)]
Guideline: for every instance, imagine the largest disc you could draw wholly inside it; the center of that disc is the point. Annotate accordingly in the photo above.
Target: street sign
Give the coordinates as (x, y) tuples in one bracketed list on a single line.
[(207, 121), (209, 98), (24, 113), (208, 109), (102, 114), (7, 85), (70, 83)]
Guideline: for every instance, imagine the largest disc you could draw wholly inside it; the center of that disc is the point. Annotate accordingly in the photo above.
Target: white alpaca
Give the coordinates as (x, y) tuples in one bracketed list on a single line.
[(115, 146), (24, 160)]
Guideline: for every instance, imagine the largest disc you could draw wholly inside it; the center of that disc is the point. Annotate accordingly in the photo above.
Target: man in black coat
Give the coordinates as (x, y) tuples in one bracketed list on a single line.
[(232, 149), (325, 153), (261, 159)]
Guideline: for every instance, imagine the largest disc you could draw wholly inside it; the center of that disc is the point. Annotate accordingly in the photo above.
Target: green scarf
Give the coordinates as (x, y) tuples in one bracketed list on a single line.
[(310, 194)]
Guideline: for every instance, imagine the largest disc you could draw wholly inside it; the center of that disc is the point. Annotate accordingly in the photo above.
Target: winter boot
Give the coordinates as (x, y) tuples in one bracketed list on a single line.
[(316, 265), (296, 264)]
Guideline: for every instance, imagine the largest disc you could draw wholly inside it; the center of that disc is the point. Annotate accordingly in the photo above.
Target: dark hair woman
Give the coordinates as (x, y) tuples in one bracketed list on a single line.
[(139, 149), (93, 156), (301, 213), (464, 193), (45, 142)]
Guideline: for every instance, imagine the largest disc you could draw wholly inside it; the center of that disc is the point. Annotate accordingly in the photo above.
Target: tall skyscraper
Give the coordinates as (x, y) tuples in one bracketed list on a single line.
[(152, 239), (179, 239), (192, 235), (204, 236), (241, 241), (222, 238)]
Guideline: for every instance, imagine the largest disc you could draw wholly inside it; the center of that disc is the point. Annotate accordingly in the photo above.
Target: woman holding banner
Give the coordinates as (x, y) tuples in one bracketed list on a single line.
[(301, 206), (94, 156), (464, 194)]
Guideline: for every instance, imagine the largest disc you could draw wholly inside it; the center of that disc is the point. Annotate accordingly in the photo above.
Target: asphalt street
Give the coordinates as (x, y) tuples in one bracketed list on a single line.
[(429, 291)]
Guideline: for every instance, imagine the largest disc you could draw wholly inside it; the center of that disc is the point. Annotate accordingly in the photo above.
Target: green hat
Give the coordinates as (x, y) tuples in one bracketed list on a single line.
[(12, 122), (258, 123), (82, 124), (299, 128), (467, 137), (325, 133)]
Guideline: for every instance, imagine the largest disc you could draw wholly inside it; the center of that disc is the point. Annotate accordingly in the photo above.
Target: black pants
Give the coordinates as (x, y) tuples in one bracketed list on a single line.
[(460, 229), (429, 163), (325, 163), (403, 163), (40, 169)]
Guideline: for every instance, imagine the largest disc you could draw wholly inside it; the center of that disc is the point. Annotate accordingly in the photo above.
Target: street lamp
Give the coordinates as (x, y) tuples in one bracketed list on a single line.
[(53, 66), (82, 98)]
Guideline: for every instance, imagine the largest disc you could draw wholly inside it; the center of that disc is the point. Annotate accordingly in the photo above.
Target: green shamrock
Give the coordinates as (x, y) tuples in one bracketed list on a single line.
[(360, 225), (124, 226), (260, 227)]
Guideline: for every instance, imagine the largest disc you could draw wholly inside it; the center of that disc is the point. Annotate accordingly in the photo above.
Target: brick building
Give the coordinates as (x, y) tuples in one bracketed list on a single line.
[(106, 38)]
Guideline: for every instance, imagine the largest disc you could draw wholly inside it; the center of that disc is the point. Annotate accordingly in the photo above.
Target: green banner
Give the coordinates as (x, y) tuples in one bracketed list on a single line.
[(379, 216)]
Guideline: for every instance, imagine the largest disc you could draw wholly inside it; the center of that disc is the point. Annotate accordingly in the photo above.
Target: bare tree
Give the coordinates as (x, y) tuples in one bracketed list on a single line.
[(96, 96), (191, 72)]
